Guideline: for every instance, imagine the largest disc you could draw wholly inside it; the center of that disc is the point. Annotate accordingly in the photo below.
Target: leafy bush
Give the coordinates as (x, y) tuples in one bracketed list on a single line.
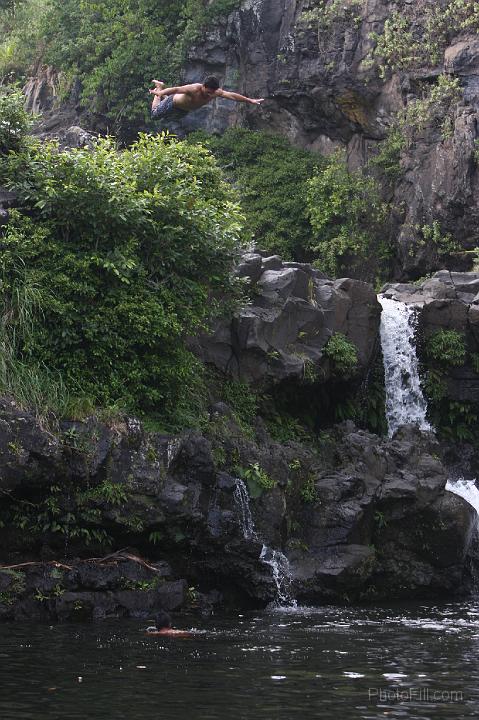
[(348, 218), (343, 355), (14, 121), (447, 348), (130, 250), (271, 176), (435, 108)]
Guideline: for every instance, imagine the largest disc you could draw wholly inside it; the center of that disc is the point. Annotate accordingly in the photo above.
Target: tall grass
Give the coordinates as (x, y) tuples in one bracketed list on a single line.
[(31, 385)]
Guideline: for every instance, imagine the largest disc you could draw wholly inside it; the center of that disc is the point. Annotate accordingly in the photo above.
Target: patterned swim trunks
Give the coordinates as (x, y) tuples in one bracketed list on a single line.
[(167, 109)]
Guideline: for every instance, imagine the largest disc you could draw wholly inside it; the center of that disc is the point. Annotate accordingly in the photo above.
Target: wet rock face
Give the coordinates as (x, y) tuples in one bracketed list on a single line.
[(121, 585), (294, 311), (375, 521), (380, 521)]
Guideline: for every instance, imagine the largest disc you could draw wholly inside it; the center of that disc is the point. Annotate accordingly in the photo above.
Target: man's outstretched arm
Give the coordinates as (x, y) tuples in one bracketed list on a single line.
[(238, 98)]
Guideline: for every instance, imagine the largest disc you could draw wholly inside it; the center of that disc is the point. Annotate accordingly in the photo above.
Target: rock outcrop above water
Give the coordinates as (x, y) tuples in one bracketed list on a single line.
[(294, 310), (357, 516)]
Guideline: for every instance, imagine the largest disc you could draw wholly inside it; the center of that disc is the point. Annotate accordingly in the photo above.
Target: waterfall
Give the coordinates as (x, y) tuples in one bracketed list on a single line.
[(405, 403), (279, 563), (241, 498), (281, 572), (467, 490)]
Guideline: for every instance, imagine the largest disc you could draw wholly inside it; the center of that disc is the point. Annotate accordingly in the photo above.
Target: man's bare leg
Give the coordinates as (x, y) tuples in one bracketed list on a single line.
[(156, 100)]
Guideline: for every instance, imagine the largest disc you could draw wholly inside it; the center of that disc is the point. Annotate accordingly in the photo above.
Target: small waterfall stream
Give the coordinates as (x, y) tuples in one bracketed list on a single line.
[(405, 403), (279, 563), (466, 489)]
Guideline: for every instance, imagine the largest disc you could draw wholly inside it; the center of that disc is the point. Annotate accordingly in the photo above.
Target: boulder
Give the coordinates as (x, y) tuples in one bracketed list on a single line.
[(294, 313)]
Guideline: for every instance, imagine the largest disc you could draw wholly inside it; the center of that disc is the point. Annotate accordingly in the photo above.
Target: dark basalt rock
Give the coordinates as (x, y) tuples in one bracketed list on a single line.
[(294, 311), (378, 524)]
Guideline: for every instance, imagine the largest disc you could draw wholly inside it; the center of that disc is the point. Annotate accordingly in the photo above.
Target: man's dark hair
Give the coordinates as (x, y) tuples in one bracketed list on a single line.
[(163, 620), (211, 82)]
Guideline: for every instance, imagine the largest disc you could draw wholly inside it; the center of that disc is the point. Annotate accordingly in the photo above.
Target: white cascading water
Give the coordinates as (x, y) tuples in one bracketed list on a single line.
[(467, 490), (279, 563), (405, 402), (245, 518), (281, 572)]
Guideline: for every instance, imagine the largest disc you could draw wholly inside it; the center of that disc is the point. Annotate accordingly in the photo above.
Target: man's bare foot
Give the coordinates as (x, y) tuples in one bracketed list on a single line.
[(159, 84)]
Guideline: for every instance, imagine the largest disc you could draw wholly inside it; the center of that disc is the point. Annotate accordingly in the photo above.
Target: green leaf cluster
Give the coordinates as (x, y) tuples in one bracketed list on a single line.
[(14, 121), (417, 35), (447, 348), (342, 354)]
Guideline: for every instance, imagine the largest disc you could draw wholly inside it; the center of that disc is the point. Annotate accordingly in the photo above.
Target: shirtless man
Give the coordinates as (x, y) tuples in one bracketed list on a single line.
[(178, 101)]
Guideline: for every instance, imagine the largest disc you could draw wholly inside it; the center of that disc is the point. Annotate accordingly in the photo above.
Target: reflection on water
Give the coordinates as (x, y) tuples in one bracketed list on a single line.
[(416, 662)]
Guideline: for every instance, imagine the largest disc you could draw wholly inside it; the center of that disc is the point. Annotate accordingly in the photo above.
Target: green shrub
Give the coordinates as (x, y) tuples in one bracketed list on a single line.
[(21, 37), (388, 158), (348, 218), (129, 250), (447, 348), (436, 107), (342, 354), (271, 176)]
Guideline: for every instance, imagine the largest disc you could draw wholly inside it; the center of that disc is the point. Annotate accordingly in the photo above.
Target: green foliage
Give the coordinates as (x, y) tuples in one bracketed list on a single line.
[(324, 13), (475, 362), (124, 259), (15, 122), (256, 478), (271, 176), (456, 421), (447, 348), (242, 401), (308, 492), (412, 38), (73, 517), (284, 428), (21, 37), (443, 243), (342, 354), (387, 160), (348, 218), (435, 108), (459, 421)]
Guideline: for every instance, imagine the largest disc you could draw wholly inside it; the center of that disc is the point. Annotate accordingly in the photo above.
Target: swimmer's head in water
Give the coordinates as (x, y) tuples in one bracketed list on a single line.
[(163, 620)]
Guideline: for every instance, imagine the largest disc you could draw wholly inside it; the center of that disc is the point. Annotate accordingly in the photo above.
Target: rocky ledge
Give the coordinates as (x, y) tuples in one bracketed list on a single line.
[(358, 517), (293, 312)]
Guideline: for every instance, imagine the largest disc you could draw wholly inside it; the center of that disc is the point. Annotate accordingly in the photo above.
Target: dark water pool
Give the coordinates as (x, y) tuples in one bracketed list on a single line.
[(333, 663)]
